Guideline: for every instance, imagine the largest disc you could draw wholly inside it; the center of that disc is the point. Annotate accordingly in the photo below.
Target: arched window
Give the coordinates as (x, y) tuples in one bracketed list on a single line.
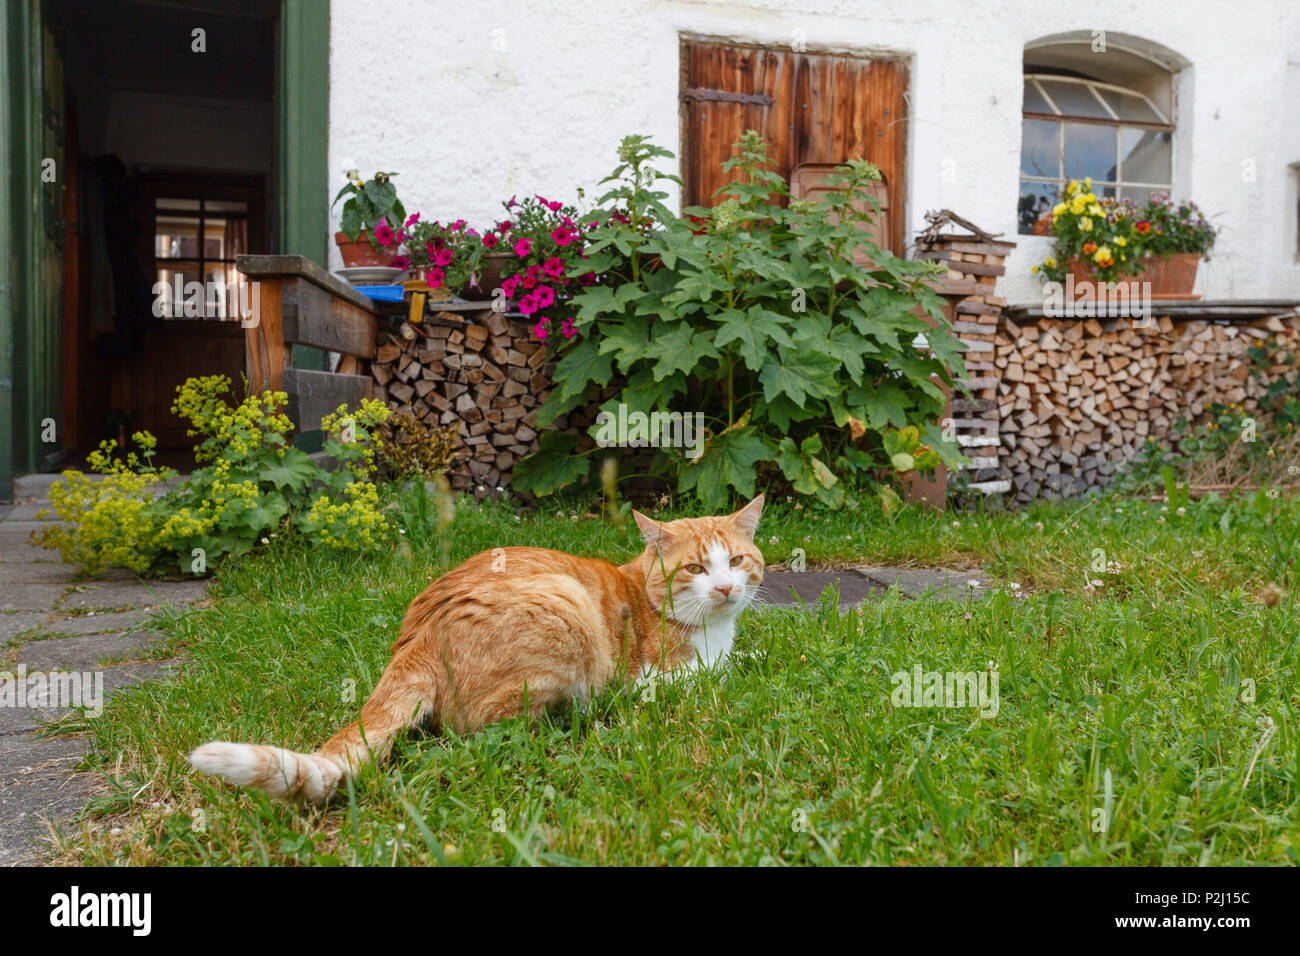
[(1076, 126)]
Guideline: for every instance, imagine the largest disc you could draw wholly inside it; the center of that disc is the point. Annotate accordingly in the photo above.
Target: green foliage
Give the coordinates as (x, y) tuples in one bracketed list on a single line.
[(758, 314), (373, 201), (250, 483)]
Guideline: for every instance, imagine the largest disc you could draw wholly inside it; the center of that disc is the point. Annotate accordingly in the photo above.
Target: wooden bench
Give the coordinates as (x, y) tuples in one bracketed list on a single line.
[(299, 303)]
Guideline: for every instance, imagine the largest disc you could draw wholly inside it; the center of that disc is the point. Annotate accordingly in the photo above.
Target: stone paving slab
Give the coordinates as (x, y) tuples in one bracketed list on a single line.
[(74, 653), (127, 594), (17, 596), (94, 622), (11, 625), (942, 584), (792, 588), (35, 784), (17, 722)]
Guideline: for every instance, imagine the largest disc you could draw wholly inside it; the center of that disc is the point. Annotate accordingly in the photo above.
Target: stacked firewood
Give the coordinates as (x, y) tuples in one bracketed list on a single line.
[(479, 370), (979, 259), (1078, 399)]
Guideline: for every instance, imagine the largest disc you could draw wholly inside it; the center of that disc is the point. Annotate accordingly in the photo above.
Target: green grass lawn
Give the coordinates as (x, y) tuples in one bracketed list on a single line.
[(1150, 720)]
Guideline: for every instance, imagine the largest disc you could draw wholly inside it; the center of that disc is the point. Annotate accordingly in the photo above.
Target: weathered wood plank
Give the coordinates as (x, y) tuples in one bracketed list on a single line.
[(269, 267), (313, 395), (314, 316)]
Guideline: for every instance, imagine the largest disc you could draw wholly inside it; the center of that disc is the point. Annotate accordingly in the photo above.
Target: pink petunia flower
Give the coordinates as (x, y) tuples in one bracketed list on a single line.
[(553, 267), (544, 295), (434, 277), (490, 240), (457, 226), (412, 219), (587, 278), (529, 281), (528, 304), (567, 329), (562, 236), (383, 233), (523, 247), (509, 286), (401, 262), (444, 257), (540, 330)]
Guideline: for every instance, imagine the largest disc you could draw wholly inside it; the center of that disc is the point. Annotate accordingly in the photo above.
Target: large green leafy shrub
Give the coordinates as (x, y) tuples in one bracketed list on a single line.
[(754, 314)]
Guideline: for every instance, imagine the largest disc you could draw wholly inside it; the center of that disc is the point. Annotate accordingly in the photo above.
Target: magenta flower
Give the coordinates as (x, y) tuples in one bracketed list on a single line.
[(457, 226), (434, 277), (587, 278), (490, 240), (544, 295), (529, 281), (523, 247), (383, 233), (509, 286), (567, 329), (553, 267), (444, 257), (562, 236), (540, 330), (511, 204), (401, 262), (528, 304), (412, 219)]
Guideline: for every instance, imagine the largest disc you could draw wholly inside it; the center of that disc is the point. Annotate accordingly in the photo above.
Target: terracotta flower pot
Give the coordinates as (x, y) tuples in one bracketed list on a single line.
[(1171, 277), (492, 269), (362, 253)]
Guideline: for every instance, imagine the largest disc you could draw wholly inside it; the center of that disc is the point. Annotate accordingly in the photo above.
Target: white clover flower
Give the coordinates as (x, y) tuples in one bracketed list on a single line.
[(266, 541), (1181, 512), (1097, 583), (1014, 587), (956, 524), (1274, 493), (1038, 525), (972, 583)]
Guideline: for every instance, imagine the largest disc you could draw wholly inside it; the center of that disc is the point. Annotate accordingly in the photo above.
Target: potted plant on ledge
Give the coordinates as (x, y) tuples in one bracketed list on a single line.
[(1107, 240), (371, 220), (442, 258)]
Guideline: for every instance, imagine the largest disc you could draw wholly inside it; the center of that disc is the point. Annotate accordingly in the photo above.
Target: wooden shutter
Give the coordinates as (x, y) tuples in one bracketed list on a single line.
[(810, 107)]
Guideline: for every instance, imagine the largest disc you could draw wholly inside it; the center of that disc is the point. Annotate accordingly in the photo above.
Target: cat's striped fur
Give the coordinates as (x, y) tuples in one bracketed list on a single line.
[(529, 629)]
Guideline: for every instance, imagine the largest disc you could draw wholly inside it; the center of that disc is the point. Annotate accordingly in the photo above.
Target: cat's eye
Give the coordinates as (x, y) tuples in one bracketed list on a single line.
[(694, 569), (736, 561)]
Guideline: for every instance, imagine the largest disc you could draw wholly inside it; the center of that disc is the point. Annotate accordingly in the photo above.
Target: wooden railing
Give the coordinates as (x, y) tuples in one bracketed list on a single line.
[(299, 303)]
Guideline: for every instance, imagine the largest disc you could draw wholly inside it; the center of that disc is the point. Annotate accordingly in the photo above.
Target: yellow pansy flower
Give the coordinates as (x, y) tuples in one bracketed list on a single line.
[(1085, 224)]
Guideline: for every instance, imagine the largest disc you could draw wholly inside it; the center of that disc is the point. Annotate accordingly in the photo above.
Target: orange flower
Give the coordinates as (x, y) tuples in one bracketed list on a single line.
[(1143, 227), (1089, 248)]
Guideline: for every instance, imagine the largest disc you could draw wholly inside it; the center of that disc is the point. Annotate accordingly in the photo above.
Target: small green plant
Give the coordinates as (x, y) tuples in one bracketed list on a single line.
[(250, 482), (373, 208), (407, 447)]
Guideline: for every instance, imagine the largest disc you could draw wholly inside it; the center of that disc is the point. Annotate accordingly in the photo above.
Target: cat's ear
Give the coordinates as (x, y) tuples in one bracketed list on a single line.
[(746, 519), (654, 533)]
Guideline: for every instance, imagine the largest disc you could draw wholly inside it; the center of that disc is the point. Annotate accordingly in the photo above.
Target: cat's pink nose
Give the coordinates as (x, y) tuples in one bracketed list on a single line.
[(726, 592)]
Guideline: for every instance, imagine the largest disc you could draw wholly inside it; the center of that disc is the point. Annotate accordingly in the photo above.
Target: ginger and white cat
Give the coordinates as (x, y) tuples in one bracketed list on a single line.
[(479, 645)]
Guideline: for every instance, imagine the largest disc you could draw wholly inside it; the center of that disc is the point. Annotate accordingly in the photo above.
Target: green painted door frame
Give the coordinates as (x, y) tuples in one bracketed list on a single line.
[(30, 324)]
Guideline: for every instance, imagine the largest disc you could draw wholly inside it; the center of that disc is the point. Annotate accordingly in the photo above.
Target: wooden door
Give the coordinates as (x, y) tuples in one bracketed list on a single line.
[(810, 107)]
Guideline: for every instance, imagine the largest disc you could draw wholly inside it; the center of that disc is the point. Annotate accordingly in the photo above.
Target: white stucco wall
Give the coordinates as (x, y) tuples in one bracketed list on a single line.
[(474, 102)]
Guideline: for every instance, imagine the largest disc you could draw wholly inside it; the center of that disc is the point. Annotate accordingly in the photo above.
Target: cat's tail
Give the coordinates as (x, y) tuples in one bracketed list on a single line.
[(401, 699)]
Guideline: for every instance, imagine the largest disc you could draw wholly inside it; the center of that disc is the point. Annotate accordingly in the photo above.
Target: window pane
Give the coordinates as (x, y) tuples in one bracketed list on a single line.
[(1035, 207), (173, 307), (1075, 99), (1040, 148), (177, 205), (176, 237), (1147, 155), (213, 206), (1128, 106), (1090, 151), (1034, 101)]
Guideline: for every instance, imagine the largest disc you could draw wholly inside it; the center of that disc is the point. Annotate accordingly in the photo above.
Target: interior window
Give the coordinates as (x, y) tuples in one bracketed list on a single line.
[(196, 240)]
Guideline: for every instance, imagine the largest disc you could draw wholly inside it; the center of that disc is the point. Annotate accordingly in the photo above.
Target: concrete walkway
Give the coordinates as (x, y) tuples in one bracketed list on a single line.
[(49, 623)]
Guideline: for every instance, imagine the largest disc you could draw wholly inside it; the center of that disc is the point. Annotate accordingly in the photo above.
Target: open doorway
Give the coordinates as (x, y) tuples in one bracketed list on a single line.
[(169, 143)]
